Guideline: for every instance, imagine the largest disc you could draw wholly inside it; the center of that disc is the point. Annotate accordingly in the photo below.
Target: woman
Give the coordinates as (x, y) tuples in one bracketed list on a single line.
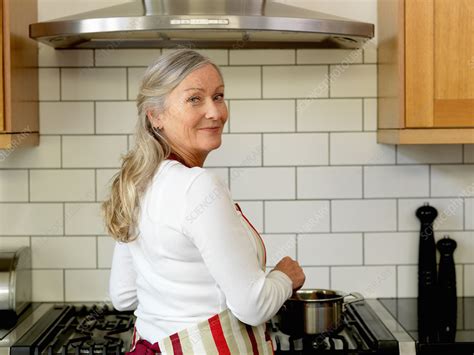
[(186, 258)]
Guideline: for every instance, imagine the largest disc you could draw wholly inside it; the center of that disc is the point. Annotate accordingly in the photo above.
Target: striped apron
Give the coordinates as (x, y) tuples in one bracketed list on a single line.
[(221, 334)]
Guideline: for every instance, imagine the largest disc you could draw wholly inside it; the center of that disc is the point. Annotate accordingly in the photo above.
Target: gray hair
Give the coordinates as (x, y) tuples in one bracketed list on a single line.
[(121, 209)]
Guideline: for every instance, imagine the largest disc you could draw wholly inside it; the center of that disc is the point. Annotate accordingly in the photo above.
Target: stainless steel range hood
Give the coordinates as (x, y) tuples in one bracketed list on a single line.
[(202, 24)]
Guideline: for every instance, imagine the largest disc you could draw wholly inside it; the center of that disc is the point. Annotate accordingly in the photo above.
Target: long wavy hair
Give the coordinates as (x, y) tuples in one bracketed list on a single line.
[(121, 210)]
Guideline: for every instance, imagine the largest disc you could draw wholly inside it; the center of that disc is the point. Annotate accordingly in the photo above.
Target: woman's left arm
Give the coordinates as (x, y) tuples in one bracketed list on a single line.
[(122, 284)]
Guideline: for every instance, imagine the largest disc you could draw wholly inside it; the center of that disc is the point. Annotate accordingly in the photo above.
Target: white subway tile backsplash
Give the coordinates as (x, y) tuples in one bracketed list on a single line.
[(62, 185), (370, 54), (316, 277), (469, 153), (253, 211), (363, 215), (93, 151), (125, 57), (13, 185), (391, 248), (242, 82), (452, 180), (66, 117), (328, 56), (12, 243), (329, 182), (370, 281), (450, 213), (93, 84), (408, 281), (252, 183), (261, 56), (429, 153), (218, 56), (469, 213), (465, 245), (330, 249), (294, 81), (116, 117), (134, 78), (104, 182), (87, 285), (468, 277), (48, 84), (370, 115), (51, 57), (76, 213), (396, 181), (296, 216), (237, 150), (329, 115), (460, 280), (46, 155), (105, 251), (63, 252), (262, 116), (359, 148), (47, 286), (299, 149), (278, 246), (353, 80), (31, 218)]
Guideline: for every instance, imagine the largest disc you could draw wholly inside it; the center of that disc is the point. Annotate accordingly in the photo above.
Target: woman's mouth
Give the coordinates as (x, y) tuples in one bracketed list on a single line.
[(210, 129)]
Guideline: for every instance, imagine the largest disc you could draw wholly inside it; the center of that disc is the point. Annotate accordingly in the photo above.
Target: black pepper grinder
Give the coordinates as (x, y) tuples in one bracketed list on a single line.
[(447, 289), (427, 289)]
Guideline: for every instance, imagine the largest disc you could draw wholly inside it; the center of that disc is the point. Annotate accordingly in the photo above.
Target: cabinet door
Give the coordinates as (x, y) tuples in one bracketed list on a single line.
[(439, 63), (2, 113)]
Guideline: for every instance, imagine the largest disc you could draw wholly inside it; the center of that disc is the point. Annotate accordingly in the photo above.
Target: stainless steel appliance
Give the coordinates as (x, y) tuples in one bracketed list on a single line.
[(202, 24), (47, 328), (15, 280), (360, 332), (370, 326), (404, 312)]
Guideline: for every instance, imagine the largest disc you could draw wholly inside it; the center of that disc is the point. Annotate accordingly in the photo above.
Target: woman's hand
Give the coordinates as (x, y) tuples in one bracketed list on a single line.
[(293, 270)]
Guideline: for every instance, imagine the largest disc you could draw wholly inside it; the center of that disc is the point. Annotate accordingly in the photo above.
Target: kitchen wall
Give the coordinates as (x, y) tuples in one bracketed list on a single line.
[(299, 154)]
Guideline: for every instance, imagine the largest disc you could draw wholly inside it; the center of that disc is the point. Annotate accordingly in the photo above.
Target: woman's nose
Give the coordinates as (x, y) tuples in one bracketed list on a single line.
[(215, 110)]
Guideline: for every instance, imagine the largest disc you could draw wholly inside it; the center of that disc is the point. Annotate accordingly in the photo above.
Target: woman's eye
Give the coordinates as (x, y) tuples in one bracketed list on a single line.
[(194, 99), (219, 97)]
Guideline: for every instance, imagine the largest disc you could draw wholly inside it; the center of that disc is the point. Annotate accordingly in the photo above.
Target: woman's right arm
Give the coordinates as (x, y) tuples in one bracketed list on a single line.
[(212, 223), (122, 284)]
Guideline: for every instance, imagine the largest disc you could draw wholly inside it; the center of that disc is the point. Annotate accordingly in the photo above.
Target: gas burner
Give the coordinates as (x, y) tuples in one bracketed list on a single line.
[(96, 330), (361, 332)]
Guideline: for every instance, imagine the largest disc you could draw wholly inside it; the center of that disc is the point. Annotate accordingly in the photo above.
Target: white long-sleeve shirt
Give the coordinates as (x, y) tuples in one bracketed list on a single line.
[(194, 258)]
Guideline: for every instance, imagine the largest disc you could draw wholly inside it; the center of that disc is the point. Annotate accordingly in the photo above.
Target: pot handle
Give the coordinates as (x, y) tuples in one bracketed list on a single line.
[(357, 297)]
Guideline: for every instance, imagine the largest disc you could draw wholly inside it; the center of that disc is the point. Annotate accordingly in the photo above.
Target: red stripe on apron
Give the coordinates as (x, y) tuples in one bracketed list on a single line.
[(176, 344), (252, 339), (218, 335)]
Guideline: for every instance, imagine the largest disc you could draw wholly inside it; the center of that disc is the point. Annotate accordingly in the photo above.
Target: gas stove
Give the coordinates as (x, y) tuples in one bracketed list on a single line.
[(361, 332), (70, 329)]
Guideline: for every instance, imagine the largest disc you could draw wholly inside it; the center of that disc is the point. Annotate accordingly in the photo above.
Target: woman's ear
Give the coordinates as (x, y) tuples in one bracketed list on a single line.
[(155, 119)]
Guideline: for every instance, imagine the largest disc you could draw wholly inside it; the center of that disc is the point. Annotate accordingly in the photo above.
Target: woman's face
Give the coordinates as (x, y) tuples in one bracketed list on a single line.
[(195, 114)]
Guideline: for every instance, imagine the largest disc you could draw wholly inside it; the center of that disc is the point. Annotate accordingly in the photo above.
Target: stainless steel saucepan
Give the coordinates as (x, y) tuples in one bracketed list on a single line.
[(314, 311), (15, 280)]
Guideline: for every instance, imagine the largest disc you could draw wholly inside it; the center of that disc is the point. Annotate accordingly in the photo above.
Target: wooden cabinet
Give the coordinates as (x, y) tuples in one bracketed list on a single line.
[(19, 119), (426, 71)]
